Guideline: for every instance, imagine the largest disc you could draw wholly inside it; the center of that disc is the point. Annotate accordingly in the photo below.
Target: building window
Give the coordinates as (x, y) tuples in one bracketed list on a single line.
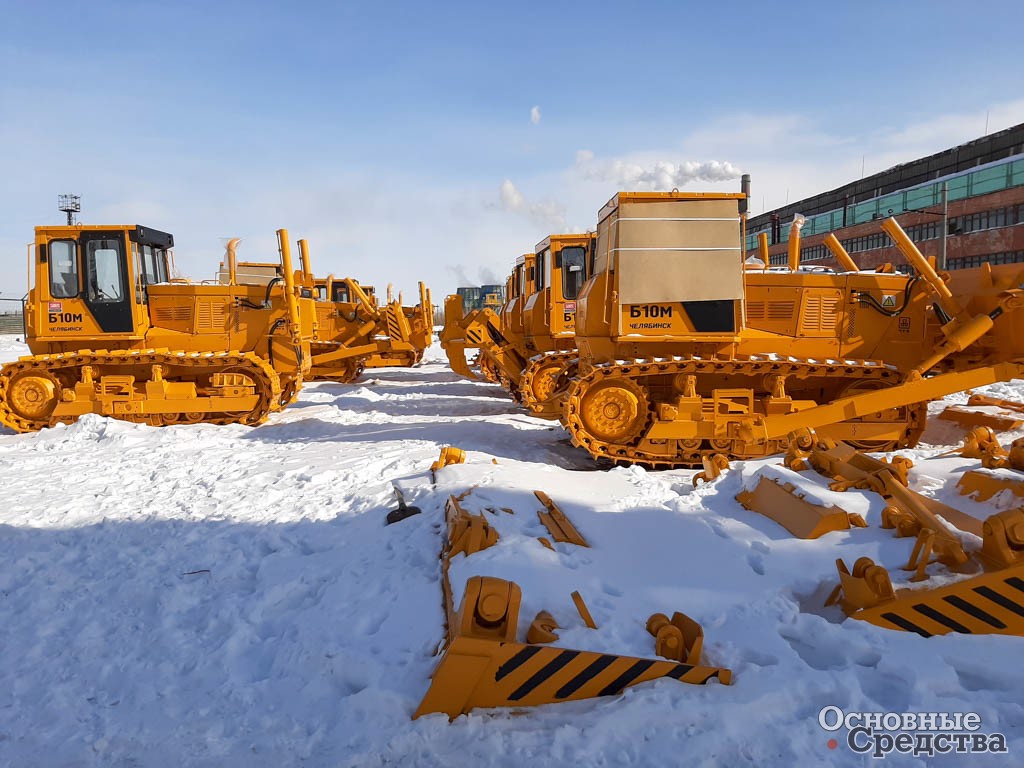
[(814, 253), (867, 242), (1005, 257)]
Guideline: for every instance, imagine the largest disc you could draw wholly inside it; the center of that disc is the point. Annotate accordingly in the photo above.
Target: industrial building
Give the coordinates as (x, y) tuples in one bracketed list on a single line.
[(964, 206)]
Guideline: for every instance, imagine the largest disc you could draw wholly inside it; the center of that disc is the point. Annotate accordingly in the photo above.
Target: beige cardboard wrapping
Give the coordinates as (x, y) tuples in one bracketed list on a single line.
[(675, 250)]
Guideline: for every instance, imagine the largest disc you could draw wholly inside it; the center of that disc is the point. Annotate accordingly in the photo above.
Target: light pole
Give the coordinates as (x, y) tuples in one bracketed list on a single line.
[(945, 224)]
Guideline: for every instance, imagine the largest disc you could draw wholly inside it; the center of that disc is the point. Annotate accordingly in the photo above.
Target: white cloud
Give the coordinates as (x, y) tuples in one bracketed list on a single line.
[(658, 175), (535, 115), (511, 198), (546, 214)]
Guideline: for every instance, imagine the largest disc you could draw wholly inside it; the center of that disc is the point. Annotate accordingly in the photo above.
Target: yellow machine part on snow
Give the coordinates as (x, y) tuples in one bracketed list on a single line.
[(112, 332), (686, 351), (485, 664)]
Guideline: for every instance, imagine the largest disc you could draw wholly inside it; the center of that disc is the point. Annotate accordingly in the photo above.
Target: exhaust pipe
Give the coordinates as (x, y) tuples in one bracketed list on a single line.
[(762, 248), (794, 242), (232, 260), (307, 271), (284, 248)]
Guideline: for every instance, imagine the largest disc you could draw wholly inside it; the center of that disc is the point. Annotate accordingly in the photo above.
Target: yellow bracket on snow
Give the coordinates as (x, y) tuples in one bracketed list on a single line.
[(559, 526), (800, 516)]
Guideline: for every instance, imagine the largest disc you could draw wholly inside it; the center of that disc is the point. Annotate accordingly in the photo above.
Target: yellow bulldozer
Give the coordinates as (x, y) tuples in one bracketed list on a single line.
[(687, 350), (530, 346), (418, 334), (351, 331), (112, 332), (354, 332), (497, 333)]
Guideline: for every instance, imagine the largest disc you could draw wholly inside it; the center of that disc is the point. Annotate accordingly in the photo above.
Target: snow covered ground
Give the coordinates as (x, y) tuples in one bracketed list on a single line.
[(230, 596)]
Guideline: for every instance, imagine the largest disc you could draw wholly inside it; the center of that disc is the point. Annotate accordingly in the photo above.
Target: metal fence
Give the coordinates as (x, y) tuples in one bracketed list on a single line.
[(11, 318)]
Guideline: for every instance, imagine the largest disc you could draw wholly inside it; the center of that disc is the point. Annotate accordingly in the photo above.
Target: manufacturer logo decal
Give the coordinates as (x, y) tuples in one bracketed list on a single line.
[(55, 306), (570, 306)]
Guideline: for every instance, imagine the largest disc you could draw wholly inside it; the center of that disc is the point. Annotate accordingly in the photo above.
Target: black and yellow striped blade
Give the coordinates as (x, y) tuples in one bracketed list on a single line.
[(989, 604), (483, 673)]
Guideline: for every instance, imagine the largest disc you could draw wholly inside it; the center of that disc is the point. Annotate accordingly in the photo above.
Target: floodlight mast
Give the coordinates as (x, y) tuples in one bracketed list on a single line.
[(70, 204)]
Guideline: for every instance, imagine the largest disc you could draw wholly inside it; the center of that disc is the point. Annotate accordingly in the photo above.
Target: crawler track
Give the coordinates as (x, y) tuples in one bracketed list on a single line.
[(32, 388), (609, 410)]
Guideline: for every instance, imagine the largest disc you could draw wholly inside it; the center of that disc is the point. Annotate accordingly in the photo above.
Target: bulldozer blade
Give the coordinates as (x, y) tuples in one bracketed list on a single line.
[(452, 337), (801, 517), (484, 666), (477, 673), (968, 419), (982, 484), (456, 354), (987, 604)]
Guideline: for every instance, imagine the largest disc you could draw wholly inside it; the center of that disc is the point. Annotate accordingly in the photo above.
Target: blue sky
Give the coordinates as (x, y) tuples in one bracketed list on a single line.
[(398, 136)]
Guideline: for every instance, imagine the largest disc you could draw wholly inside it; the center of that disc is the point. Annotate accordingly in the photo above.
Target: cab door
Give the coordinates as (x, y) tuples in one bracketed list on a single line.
[(106, 287)]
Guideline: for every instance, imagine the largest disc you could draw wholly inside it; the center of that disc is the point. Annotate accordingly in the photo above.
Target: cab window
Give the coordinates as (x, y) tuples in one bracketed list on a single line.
[(63, 269), (341, 293), (154, 265), (103, 264), (540, 269), (573, 273), (151, 265)]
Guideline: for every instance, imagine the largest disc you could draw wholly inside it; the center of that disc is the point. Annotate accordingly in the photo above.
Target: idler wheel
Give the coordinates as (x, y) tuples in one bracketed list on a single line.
[(33, 395), (614, 411)]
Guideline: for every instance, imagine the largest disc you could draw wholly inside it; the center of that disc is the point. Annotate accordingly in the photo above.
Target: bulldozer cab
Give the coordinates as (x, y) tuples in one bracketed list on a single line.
[(667, 264), (560, 270), (521, 287), (94, 280), (493, 296), (345, 290)]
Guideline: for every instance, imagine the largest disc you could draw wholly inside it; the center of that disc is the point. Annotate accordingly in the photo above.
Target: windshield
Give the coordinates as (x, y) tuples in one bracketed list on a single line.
[(103, 268), (573, 273)]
